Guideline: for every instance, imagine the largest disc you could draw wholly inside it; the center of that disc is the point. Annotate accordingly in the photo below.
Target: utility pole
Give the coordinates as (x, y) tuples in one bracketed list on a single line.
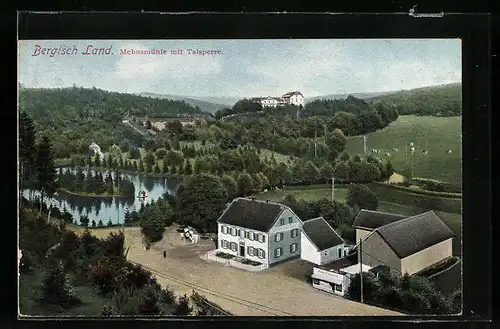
[(333, 187), (315, 149), (361, 267)]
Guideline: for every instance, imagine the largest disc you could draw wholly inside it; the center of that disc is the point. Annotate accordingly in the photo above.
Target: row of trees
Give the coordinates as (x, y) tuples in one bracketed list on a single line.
[(37, 170), (76, 180), (411, 294)]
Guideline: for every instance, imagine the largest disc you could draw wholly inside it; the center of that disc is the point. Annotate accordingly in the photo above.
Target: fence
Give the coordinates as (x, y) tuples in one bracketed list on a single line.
[(234, 263)]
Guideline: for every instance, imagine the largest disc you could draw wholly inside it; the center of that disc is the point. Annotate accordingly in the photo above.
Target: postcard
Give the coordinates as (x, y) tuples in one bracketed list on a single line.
[(249, 177)]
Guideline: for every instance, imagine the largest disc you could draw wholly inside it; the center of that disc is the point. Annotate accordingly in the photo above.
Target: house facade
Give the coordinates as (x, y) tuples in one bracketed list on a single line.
[(261, 231), (291, 98), (408, 245), (335, 277), (320, 243)]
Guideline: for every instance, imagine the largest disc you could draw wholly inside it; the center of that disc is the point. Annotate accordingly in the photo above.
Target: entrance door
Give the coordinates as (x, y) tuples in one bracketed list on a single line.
[(242, 251)]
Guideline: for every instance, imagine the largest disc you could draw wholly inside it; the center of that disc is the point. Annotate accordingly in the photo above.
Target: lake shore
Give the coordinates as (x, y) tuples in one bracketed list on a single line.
[(91, 195)]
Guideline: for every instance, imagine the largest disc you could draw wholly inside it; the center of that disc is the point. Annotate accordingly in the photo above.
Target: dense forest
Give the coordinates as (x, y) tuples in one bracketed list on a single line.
[(74, 117), (440, 101)]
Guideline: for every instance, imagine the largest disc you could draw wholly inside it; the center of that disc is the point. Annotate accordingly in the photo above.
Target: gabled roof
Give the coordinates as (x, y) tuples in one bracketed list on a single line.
[(252, 214), (413, 234), (321, 234), (370, 219), (291, 93)]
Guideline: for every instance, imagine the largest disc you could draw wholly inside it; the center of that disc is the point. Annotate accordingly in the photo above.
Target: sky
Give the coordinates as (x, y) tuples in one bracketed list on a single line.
[(243, 68)]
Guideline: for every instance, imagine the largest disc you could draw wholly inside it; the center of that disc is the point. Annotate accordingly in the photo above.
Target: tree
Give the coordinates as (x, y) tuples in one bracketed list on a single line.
[(103, 275), (327, 171), (361, 196), (245, 184), (174, 158), (200, 200), (161, 153), (341, 171), (150, 301), (27, 147), (336, 142), (230, 185), (56, 287), (45, 169), (152, 224)]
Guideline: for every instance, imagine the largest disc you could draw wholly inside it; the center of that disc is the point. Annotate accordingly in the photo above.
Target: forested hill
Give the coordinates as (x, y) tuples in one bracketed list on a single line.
[(73, 117), (441, 101)]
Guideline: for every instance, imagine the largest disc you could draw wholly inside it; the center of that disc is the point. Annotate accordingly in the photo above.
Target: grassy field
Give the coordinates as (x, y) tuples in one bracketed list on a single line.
[(30, 293), (315, 192), (280, 158), (436, 135)]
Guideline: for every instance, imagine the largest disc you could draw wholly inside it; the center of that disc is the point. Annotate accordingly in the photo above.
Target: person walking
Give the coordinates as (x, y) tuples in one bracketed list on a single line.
[(164, 254)]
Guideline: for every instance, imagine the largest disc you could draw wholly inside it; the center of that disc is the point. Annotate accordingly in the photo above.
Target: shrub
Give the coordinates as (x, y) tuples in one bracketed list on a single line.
[(57, 289), (182, 307)]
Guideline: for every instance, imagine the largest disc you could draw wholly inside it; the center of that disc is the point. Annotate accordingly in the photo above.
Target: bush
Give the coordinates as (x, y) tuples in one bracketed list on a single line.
[(182, 307), (57, 289), (224, 255)]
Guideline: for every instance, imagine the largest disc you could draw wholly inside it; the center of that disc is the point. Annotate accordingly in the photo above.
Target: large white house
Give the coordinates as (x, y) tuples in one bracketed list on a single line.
[(320, 243), (291, 98), (262, 231)]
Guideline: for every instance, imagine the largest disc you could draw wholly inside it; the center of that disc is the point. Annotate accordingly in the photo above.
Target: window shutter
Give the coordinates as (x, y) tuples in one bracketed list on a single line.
[(282, 235), (263, 238), (246, 234), (248, 250)]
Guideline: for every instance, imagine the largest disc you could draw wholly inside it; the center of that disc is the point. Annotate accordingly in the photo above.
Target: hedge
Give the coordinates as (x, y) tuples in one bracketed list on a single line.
[(446, 195), (430, 200)]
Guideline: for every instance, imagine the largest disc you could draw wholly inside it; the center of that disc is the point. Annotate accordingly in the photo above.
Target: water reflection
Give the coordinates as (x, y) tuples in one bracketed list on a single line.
[(111, 208)]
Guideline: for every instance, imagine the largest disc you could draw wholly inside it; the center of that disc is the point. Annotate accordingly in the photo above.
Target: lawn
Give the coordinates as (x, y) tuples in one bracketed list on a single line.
[(437, 135), (307, 193), (30, 294)]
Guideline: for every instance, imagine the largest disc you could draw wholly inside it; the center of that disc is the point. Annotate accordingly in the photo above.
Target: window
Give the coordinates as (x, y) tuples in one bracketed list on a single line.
[(247, 234), (278, 237), (338, 287), (340, 253), (251, 236), (263, 238), (290, 219), (325, 253), (293, 248), (278, 252), (223, 229), (294, 232), (242, 233), (282, 221), (315, 281), (223, 244), (251, 251), (233, 246), (261, 253)]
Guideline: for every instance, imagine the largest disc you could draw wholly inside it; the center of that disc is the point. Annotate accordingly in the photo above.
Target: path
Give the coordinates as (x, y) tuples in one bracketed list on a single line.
[(242, 293)]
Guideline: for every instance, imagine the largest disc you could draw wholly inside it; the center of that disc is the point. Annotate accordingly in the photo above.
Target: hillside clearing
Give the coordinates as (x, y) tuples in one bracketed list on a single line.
[(436, 135)]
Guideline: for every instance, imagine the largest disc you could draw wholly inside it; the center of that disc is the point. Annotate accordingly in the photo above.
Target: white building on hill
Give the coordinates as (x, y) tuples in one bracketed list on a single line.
[(291, 98)]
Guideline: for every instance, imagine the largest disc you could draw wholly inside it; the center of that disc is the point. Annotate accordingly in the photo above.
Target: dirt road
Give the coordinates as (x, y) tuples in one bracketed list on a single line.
[(275, 292)]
